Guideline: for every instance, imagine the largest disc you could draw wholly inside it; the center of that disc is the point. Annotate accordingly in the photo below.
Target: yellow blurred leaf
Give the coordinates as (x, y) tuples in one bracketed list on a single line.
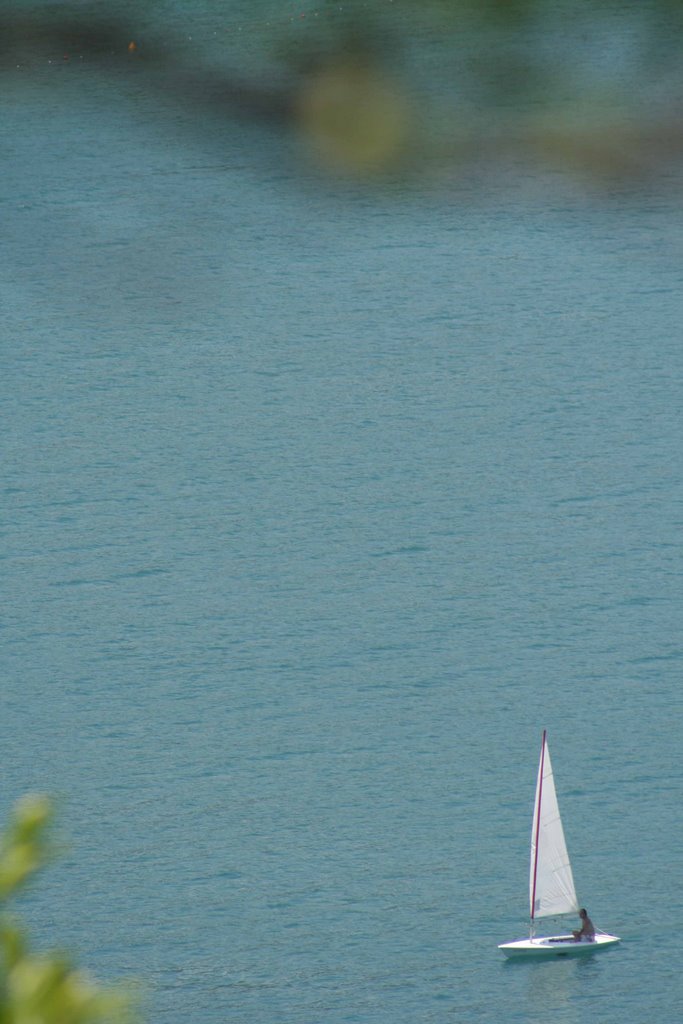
[(354, 118)]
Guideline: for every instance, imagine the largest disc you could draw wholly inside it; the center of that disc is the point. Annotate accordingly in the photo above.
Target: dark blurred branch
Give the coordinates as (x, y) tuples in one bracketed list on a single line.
[(90, 37)]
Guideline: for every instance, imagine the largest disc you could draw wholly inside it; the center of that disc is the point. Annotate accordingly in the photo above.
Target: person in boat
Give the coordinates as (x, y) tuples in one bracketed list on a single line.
[(587, 931)]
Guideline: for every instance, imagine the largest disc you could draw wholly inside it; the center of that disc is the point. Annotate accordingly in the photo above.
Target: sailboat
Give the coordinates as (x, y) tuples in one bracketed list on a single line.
[(551, 883)]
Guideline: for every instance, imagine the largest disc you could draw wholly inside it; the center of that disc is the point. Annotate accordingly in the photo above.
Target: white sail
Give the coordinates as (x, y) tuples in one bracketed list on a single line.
[(551, 885)]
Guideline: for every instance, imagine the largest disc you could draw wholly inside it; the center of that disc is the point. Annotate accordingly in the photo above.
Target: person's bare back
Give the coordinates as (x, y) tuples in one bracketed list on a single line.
[(587, 931)]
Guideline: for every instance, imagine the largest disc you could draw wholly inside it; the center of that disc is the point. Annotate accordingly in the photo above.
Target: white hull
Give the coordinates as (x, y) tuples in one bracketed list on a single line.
[(556, 945)]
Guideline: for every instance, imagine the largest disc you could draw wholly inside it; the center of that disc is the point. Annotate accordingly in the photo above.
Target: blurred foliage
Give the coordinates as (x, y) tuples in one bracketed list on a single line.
[(374, 86), (40, 988)]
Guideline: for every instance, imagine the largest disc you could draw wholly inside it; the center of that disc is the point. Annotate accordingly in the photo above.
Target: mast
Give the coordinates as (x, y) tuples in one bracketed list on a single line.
[(538, 829)]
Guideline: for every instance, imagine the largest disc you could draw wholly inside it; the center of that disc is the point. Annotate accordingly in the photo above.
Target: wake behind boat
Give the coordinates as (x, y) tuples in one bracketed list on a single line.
[(551, 883)]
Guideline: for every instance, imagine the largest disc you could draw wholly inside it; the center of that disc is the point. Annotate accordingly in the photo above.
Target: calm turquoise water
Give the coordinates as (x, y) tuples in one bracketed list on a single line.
[(319, 504)]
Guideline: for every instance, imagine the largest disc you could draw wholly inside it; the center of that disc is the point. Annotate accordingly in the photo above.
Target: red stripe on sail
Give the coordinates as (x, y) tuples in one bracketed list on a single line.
[(538, 824)]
